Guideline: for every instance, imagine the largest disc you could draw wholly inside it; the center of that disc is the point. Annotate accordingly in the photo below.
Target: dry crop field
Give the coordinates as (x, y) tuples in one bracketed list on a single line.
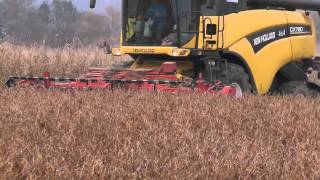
[(130, 135)]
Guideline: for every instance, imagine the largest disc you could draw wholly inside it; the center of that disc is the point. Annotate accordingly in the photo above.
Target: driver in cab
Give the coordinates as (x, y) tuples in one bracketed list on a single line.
[(158, 13)]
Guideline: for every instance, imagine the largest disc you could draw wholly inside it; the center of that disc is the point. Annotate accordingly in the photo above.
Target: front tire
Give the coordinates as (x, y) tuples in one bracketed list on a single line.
[(235, 73)]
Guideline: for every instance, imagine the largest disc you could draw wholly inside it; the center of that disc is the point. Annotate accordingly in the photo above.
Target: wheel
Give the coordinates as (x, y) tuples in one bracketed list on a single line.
[(236, 75), (296, 88)]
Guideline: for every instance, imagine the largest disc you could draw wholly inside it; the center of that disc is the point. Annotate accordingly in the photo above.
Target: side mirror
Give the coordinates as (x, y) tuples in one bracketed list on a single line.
[(92, 4)]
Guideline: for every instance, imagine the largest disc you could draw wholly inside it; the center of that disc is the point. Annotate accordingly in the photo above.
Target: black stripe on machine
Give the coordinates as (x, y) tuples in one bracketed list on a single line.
[(262, 38)]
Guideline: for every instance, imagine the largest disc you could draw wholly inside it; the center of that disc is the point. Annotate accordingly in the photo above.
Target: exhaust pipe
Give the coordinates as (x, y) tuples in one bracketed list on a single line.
[(313, 5)]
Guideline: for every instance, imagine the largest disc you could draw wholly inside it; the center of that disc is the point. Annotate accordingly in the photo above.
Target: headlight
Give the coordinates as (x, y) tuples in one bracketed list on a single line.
[(183, 52), (175, 52), (180, 52)]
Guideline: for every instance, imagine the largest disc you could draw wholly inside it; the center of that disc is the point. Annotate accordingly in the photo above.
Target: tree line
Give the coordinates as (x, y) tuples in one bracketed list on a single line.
[(56, 24)]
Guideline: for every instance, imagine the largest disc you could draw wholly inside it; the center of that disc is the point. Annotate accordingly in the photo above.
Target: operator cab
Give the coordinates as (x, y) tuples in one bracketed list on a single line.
[(154, 22), (169, 22)]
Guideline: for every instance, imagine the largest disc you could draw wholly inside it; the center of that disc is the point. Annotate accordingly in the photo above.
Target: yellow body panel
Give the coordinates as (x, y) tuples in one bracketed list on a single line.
[(267, 62), (170, 51), (240, 25), (302, 46)]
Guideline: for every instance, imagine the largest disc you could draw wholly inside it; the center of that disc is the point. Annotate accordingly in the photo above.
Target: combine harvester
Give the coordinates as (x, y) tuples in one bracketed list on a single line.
[(214, 46)]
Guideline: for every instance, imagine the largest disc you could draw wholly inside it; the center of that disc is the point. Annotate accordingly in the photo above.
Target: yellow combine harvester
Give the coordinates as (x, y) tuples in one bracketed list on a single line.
[(260, 46)]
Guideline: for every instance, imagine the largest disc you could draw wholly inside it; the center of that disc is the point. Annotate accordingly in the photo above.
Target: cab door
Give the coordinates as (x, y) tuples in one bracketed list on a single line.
[(213, 22), (211, 33)]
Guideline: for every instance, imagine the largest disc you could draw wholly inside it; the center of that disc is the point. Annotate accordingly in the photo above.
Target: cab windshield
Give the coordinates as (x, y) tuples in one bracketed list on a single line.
[(160, 22)]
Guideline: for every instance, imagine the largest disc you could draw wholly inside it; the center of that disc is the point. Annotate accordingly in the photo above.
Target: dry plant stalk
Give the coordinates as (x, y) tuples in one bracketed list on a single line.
[(20, 60)]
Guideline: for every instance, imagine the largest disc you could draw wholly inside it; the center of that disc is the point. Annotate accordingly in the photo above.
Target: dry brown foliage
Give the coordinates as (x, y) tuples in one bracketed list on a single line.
[(138, 135), (20, 60)]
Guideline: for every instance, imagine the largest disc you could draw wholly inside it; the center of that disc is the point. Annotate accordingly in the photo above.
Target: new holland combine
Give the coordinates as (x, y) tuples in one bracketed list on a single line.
[(215, 46)]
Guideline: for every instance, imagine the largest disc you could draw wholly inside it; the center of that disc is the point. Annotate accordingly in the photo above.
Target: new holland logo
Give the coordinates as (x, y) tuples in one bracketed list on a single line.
[(261, 39), (264, 38), (143, 51)]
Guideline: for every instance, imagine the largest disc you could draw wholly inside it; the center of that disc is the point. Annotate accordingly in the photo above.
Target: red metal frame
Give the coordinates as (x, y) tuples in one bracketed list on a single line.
[(163, 79)]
